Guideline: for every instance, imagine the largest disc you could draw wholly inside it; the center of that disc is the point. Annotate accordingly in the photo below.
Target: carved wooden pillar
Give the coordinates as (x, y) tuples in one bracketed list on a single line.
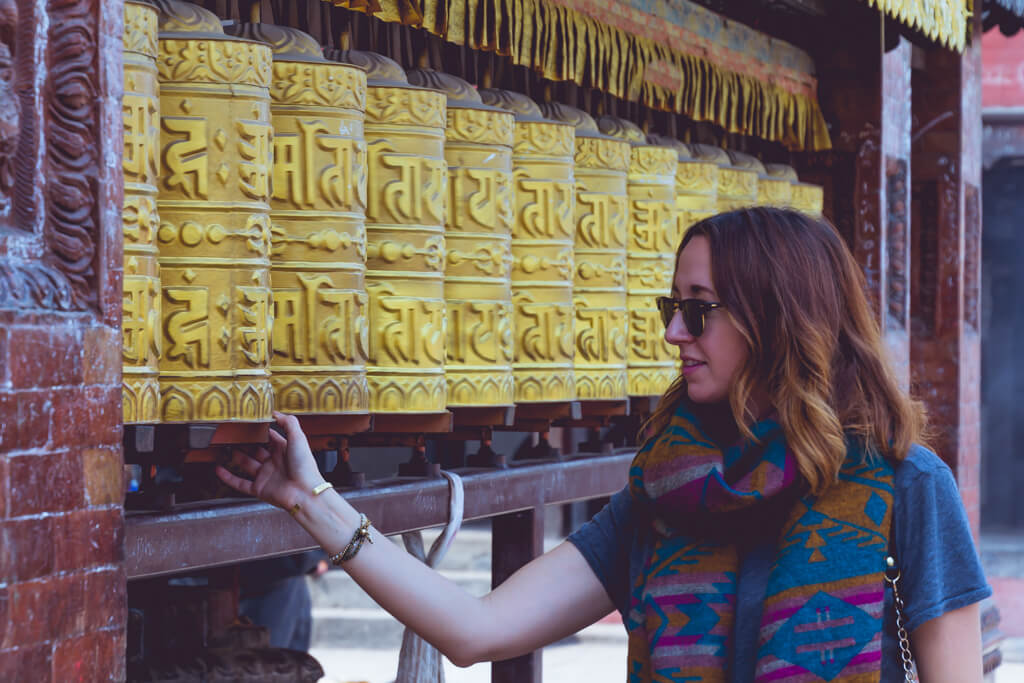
[(866, 177), (946, 270)]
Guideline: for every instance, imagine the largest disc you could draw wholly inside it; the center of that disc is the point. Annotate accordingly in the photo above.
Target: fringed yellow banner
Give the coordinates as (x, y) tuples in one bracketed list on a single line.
[(678, 57), (944, 21)]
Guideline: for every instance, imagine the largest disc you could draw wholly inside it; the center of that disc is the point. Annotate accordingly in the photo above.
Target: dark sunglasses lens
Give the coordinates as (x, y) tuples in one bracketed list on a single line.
[(667, 309), (693, 317)]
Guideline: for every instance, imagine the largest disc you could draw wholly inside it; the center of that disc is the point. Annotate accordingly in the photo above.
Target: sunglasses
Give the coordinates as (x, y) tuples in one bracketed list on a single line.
[(693, 311)]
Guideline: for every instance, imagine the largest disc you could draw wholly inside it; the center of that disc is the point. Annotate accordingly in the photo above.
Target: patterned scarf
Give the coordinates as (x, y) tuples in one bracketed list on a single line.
[(822, 610)]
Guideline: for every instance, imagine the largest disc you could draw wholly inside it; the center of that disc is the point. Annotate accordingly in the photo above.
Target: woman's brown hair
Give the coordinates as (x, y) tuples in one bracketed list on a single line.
[(796, 294)]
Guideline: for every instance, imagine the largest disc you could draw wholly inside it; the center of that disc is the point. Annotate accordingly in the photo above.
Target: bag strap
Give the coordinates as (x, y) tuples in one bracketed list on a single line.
[(892, 577)]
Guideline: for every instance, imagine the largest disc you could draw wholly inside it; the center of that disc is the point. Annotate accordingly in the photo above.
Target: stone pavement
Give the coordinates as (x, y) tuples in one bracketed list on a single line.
[(344, 615)]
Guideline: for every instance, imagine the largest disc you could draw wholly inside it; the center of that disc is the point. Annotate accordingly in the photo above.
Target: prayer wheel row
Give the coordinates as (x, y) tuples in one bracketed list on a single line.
[(327, 237)]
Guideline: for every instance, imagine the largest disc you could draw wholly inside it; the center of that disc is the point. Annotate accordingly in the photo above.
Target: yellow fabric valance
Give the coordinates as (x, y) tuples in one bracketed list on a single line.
[(669, 56), (944, 21)]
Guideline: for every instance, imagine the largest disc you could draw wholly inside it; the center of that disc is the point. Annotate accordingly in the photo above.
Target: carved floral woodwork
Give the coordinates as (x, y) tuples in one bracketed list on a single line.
[(808, 198), (737, 182), (214, 233), (141, 297)]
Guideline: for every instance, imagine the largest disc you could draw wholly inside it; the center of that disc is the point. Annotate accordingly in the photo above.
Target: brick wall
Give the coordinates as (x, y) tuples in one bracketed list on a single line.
[(62, 606), (62, 581)]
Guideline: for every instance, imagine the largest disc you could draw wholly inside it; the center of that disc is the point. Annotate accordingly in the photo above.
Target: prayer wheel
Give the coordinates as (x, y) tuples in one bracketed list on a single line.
[(140, 304), (696, 181), (478, 236), (737, 182), (318, 233), (407, 196), (599, 288), (543, 234), (650, 256), (809, 198), (775, 187), (214, 233)]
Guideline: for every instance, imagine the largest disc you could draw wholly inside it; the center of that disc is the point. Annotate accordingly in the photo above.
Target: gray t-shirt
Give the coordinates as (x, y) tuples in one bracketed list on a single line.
[(931, 540)]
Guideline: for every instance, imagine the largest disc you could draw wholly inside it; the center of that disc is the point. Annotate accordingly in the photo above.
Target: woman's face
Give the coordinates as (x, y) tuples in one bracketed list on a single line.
[(711, 361)]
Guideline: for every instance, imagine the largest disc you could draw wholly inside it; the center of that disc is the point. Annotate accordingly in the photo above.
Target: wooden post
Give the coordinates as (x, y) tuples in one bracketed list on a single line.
[(946, 269), (516, 539)]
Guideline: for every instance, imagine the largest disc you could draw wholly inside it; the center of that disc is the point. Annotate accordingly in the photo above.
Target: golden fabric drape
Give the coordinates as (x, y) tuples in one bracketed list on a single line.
[(564, 41), (944, 21)]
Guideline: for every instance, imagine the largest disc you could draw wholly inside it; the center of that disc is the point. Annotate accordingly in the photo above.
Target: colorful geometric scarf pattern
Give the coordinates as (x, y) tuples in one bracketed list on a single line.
[(823, 607)]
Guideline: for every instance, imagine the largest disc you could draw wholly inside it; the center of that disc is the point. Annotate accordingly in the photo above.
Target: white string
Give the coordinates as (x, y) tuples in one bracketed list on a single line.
[(418, 660)]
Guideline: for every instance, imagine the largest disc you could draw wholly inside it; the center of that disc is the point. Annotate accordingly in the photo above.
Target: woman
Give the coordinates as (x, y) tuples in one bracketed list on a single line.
[(751, 541)]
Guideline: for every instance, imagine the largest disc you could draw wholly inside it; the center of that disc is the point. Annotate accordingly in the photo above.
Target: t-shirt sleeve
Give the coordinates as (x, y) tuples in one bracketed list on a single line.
[(606, 543), (939, 566)]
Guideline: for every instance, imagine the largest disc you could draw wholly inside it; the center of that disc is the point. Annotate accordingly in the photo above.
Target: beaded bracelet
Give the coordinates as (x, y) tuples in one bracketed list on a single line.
[(361, 535)]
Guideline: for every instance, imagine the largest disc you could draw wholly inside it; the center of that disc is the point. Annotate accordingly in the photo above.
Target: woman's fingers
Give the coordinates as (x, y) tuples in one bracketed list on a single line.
[(246, 463), (234, 481), (293, 432)]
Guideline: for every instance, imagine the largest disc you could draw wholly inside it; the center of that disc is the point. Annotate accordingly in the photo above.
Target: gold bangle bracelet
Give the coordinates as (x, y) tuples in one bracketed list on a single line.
[(321, 487)]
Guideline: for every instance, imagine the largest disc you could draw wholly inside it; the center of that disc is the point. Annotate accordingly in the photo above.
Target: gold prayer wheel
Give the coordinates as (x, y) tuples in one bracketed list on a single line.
[(599, 288), (478, 236), (650, 256), (318, 233), (140, 302), (214, 229), (809, 198), (775, 187), (696, 181), (737, 182), (407, 191), (543, 235)]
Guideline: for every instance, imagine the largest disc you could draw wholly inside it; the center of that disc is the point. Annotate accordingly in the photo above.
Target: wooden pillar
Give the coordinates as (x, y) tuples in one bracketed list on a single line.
[(946, 247), (865, 92), (516, 539)]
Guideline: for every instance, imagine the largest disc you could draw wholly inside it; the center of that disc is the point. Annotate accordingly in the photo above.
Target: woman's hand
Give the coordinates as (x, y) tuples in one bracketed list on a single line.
[(282, 472)]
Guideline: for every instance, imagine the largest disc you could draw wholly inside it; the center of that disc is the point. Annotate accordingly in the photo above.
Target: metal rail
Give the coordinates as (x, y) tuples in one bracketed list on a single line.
[(214, 534)]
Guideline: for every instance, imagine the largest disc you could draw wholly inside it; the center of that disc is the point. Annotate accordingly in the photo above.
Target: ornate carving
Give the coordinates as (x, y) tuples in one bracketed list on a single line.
[(655, 161), (140, 297), (140, 29), (72, 155), (774, 192), (406, 106), (651, 244), (324, 85), (407, 204), (737, 188), (972, 257), (477, 277), (483, 126), (544, 138), (214, 235), (697, 178), (602, 154), (809, 198), (867, 238), (897, 224), (321, 331), (215, 61)]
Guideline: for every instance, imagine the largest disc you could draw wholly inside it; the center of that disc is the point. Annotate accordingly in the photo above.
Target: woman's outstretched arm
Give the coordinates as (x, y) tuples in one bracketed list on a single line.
[(550, 598)]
